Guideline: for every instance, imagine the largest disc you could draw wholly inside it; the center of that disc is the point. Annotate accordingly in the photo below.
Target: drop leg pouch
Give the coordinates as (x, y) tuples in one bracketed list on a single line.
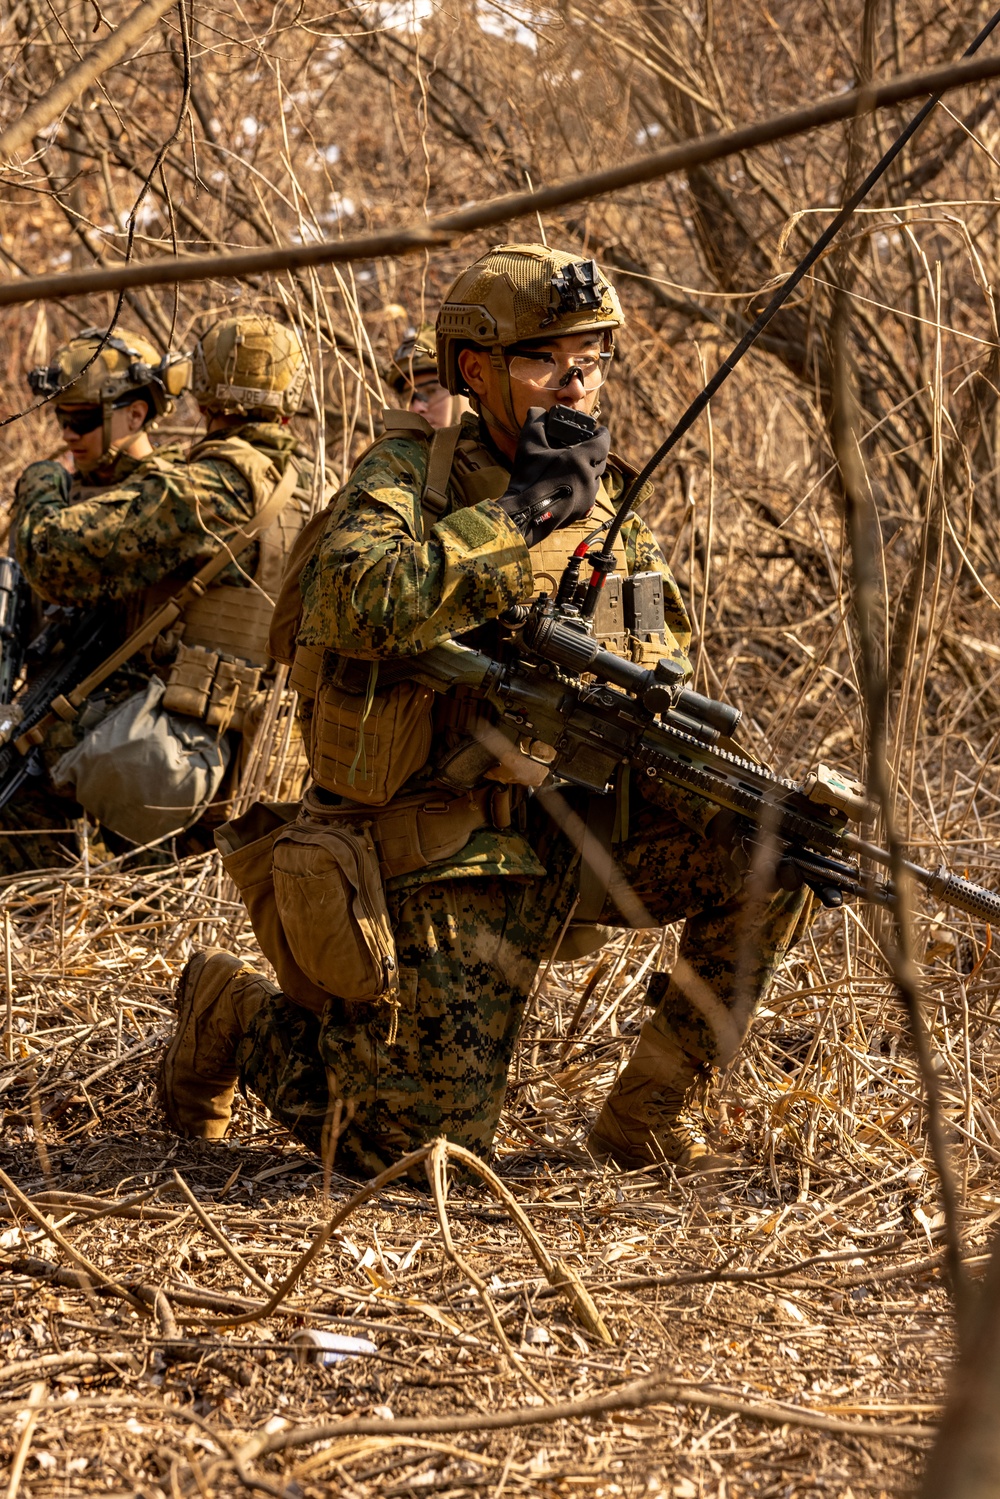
[(331, 903), (247, 848)]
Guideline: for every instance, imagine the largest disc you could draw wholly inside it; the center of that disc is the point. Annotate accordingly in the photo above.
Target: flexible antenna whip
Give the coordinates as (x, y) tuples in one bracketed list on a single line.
[(780, 297)]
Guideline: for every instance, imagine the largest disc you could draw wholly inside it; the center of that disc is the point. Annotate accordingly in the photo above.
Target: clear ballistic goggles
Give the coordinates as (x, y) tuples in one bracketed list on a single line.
[(546, 370)]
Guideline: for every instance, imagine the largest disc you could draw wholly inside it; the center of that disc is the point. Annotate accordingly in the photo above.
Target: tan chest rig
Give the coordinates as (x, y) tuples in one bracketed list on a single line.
[(371, 728), (221, 638)]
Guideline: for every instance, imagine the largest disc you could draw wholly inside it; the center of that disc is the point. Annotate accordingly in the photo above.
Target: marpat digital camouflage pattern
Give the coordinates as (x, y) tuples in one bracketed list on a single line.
[(469, 947), (136, 523), (377, 586), (388, 580), (470, 935), (134, 526)]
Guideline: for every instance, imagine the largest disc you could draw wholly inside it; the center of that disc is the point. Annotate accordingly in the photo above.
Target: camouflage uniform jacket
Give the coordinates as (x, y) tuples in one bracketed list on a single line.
[(376, 586), (380, 585), (136, 523)]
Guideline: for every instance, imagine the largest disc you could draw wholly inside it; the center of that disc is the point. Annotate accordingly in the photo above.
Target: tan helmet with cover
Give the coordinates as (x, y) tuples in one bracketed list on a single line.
[(249, 365), (127, 366), (516, 294), (416, 355)]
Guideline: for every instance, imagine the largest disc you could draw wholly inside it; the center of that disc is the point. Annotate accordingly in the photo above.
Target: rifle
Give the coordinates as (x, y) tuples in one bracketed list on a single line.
[(15, 604), (647, 719), (69, 644)]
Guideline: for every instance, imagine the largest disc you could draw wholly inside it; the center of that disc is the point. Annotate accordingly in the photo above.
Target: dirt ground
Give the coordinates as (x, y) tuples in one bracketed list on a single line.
[(781, 1328)]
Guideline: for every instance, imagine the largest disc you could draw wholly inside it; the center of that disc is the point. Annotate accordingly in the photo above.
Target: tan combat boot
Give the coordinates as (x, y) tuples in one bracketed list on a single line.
[(644, 1121), (217, 998)]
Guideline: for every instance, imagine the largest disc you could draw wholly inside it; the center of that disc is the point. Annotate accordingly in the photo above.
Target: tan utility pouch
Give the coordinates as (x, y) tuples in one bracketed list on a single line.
[(247, 848), (190, 681), (416, 831), (366, 745), (207, 684), (331, 903)]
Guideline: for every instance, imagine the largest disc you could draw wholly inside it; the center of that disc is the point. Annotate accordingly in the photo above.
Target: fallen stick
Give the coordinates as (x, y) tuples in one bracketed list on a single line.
[(654, 1390), (51, 1363), (219, 1301), (95, 1276)]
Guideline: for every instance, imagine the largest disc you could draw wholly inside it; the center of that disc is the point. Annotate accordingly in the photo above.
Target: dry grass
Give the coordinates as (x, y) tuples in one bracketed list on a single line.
[(806, 1277)]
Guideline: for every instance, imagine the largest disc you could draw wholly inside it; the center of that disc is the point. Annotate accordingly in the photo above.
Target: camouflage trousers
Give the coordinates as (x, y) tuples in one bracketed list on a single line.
[(468, 951)]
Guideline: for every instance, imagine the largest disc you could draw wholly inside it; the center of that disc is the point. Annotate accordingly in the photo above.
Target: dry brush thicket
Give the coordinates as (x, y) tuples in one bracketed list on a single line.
[(802, 1291)]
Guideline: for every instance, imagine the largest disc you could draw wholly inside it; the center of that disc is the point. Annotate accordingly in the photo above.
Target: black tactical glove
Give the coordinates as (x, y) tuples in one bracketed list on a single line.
[(552, 485)]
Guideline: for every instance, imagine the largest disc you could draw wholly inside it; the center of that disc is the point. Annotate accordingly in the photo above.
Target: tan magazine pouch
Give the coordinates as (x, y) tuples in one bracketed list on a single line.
[(331, 904), (366, 745)]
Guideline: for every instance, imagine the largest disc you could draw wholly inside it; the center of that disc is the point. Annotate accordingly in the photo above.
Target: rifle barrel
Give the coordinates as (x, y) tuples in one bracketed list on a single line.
[(974, 900)]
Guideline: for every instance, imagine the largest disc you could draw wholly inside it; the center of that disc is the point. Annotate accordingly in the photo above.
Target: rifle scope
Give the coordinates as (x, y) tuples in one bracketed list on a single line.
[(659, 690)]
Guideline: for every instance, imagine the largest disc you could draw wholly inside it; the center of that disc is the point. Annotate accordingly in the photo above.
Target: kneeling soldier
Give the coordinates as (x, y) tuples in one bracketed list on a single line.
[(433, 537)]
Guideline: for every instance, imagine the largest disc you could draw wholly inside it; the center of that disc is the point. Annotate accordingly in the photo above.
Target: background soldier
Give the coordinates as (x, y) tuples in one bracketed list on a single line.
[(125, 531), (413, 375), (405, 564)]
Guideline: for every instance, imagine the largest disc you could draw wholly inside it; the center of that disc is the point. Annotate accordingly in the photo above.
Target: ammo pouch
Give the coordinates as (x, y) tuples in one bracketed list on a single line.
[(370, 728), (209, 685)]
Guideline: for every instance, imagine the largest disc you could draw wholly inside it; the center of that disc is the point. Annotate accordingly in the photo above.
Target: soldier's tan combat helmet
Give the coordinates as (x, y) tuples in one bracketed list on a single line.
[(416, 355), (250, 365), (126, 368), (516, 293)]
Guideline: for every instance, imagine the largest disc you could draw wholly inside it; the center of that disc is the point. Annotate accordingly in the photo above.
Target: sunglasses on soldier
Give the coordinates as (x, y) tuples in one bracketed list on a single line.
[(83, 419), (79, 419)]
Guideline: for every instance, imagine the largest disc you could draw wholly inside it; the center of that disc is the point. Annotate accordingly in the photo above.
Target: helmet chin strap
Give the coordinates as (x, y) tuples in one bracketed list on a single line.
[(107, 411), (508, 422)]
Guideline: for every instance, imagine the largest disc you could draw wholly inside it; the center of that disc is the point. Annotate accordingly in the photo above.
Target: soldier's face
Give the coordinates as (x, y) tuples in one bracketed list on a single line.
[(566, 371), (87, 448), (430, 400)]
